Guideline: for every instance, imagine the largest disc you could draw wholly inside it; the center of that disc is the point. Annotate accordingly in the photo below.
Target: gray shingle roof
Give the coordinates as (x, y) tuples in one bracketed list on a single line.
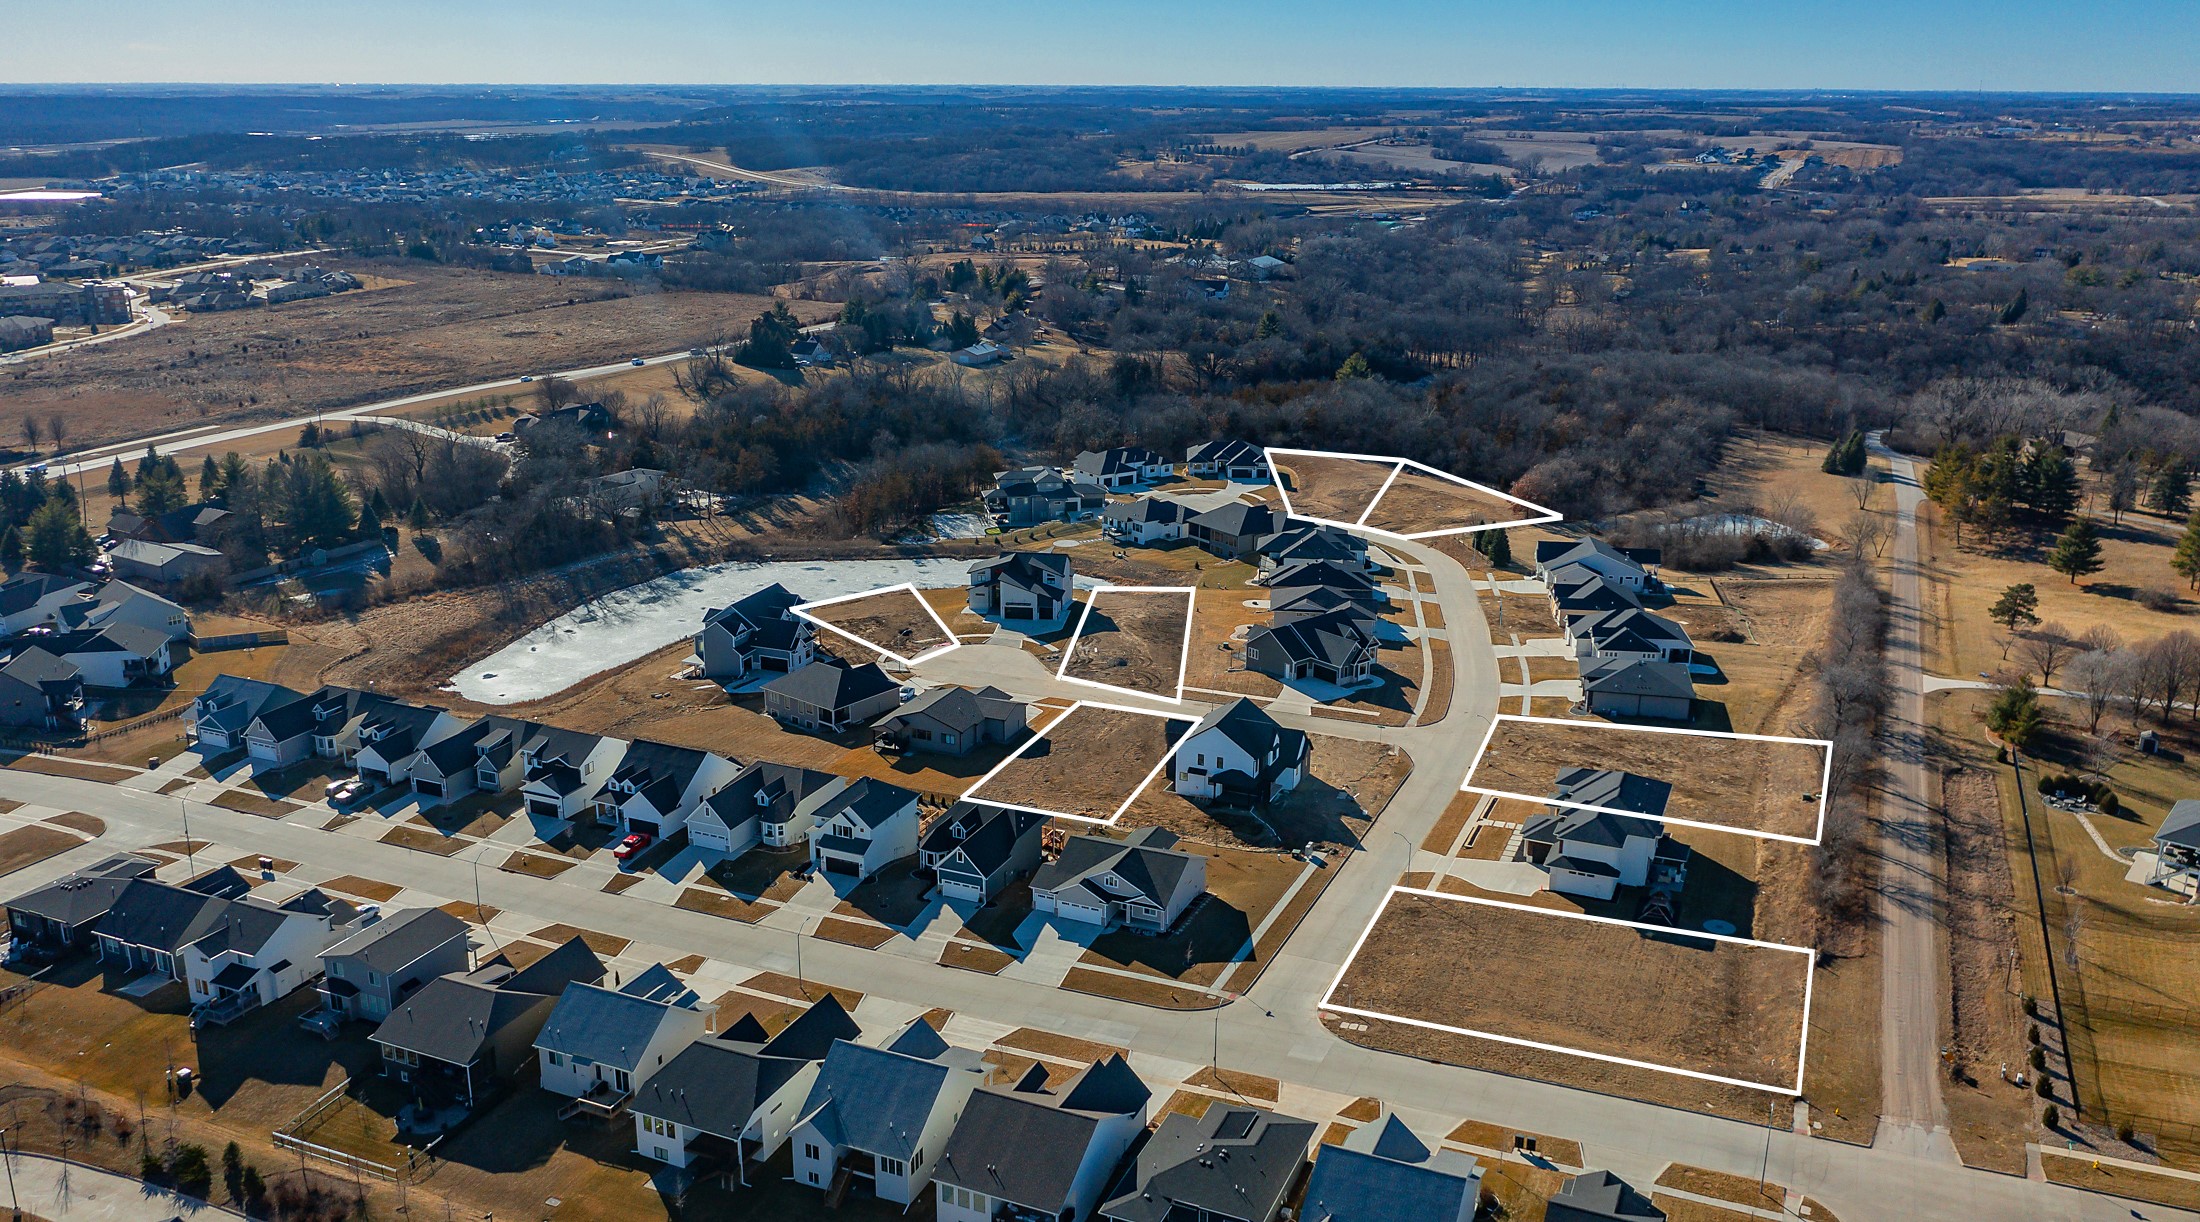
[(988, 834), (1144, 861), (1382, 1171), (1027, 1146), (1235, 1161), (877, 1099), (398, 939), (826, 686), (1636, 677), (2181, 826), (86, 894), (610, 1026)]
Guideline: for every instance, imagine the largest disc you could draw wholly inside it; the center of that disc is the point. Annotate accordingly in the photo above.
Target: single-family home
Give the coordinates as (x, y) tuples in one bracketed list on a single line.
[(1312, 543), (883, 1114), (1290, 604), (1383, 1172), (587, 417), (764, 803), (2177, 843), (1122, 468), (1593, 853), (979, 355), (284, 732), (373, 968), (29, 599), (1238, 462), (730, 1100), (1030, 495), (40, 690), (757, 634), (1232, 1162), (463, 1035), (562, 770), (205, 523), (1579, 590), (1344, 577), (228, 707), (1145, 521), (1338, 647), (453, 764), (657, 786), (1599, 1196), (1233, 531), (253, 952), (1240, 756), (598, 1042), (1023, 588), (62, 915), (390, 736), (166, 563), (1631, 633), (1631, 687), (860, 828), (829, 696), (1633, 567), (118, 602), (977, 849), (1028, 1151), (953, 721), (1140, 882)]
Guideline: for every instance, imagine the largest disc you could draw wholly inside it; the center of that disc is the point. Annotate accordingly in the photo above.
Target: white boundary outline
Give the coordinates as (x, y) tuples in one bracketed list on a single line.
[(1466, 785), (1802, 1047), (1183, 661), (953, 642), (971, 794), (1398, 466)]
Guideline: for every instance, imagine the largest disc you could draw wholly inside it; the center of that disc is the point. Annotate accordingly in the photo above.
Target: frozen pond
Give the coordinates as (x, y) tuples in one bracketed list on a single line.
[(1748, 524), (953, 526), (622, 626)]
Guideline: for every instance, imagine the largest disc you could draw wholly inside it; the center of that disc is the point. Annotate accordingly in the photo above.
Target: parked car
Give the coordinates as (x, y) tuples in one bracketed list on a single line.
[(350, 789), (528, 378), (632, 846), (507, 436), (637, 361)]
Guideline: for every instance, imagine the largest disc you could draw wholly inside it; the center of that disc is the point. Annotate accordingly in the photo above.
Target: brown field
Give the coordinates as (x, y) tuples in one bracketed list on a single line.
[(1769, 788), (1088, 763), (1216, 662), (444, 326), (602, 943), (1340, 489), (1134, 640), (27, 846), (364, 888), (1432, 959), (1349, 781), (1417, 501), (891, 621)]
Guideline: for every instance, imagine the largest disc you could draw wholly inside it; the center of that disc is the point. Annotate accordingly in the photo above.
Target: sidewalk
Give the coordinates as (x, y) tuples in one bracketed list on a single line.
[(72, 1192)]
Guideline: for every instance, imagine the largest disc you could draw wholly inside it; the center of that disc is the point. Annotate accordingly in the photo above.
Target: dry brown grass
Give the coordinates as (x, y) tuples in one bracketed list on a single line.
[(365, 888), (720, 904), (407, 836), (1747, 785), (76, 820), (983, 959), (891, 621), (602, 943), (1417, 502), (806, 991), (1432, 959), (852, 933), (27, 846), (2078, 1171), (1089, 763), (1060, 1047), (1132, 639), (1145, 991), (251, 802), (1499, 1138), (1440, 684), (537, 865), (80, 770), (1339, 489)]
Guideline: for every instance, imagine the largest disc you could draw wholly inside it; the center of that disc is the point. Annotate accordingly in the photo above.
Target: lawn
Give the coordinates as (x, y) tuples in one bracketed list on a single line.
[(1242, 888), (27, 846), (537, 865), (253, 803)]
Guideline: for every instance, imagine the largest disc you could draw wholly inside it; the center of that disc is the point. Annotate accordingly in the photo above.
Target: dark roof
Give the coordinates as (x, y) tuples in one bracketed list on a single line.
[(716, 1083), (398, 939), (161, 915), (1145, 509), (1027, 1146), (612, 1026), (1335, 638), (1144, 861), (1599, 1196), (25, 590), (1311, 572), (877, 1099), (38, 668), (1229, 450), (1638, 677), (453, 1016), (647, 763), (1250, 727), (85, 894), (1642, 624), (1235, 1161), (1097, 463), (826, 686), (1022, 568), (987, 834), (959, 708), (810, 1036), (783, 786), (1613, 789), (233, 702), (1550, 552), (1382, 1171), (1237, 518)]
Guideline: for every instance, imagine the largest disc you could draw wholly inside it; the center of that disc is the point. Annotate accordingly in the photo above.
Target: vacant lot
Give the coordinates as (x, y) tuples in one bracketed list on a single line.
[(1340, 489), (1766, 788), (27, 846), (1133, 640), (1087, 765), (1708, 1007), (895, 622), (1217, 659), (442, 327), (1417, 501)]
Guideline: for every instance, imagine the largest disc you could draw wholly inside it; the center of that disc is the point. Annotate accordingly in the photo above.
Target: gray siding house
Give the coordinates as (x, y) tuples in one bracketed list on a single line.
[(368, 973), (954, 721)]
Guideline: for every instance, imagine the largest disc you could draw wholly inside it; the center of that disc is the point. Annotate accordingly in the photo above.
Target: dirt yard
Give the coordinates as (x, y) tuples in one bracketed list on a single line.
[(1525, 975), (1417, 501), (1340, 489), (1087, 764), (1769, 788), (896, 622), (1134, 640)]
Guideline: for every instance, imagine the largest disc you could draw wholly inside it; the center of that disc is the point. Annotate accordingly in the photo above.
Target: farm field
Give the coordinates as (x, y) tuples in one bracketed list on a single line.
[(1133, 640)]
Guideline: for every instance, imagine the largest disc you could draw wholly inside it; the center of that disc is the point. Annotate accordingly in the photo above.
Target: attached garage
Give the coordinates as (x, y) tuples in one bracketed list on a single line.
[(962, 887), (544, 808), (648, 827), (427, 788), (841, 865)]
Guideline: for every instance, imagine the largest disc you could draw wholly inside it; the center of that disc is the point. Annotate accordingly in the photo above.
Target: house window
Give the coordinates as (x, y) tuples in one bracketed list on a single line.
[(810, 1152), (556, 1058), (336, 969), (947, 739), (402, 1056), (892, 1166)]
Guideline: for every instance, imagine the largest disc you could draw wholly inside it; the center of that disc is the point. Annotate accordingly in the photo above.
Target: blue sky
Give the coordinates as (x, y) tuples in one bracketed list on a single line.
[(2106, 45)]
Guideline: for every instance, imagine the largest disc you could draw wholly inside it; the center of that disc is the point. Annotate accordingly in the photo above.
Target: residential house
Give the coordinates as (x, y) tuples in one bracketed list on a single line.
[(980, 355), (371, 970), (764, 803), (656, 787), (562, 770), (862, 827), (470, 756), (1313, 543), (40, 691), (1240, 756), (1383, 1172), (1027, 496), (1635, 568), (1632, 633), (758, 634), (390, 736), (166, 563), (1145, 521), (118, 602), (598, 1042), (1337, 647), (2177, 843), (954, 721), (1631, 687), (1579, 590), (1028, 1151), (977, 849), (1599, 1196), (1238, 462), (829, 697), (62, 915), (1122, 468), (1232, 1162), (29, 599), (462, 1035), (229, 706), (883, 1114), (1233, 531), (231, 950), (1290, 604), (1023, 588), (204, 523), (1140, 883), (587, 417), (733, 1098), (1593, 853)]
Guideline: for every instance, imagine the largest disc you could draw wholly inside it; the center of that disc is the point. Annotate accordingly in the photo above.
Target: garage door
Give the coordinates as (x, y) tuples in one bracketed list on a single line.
[(648, 826), (841, 865), (974, 892), (545, 808), (709, 838), (422, 785)]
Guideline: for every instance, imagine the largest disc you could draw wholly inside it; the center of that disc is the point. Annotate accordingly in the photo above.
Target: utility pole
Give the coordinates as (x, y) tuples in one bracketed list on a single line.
[(7, 1155)]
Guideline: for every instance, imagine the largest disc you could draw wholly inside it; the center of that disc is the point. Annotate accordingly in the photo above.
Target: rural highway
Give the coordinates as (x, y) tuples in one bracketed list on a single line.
[(1913, 1116), (777, 180), (1273, 1031)]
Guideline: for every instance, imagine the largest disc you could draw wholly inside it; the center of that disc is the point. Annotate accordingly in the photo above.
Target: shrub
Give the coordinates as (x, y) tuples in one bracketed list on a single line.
[(193, 1175), (2039, 1059), (2158, 598), (2031, 1006), (2041, 1088), (2125, 1135), (2032, 1035), (2051, 1117)]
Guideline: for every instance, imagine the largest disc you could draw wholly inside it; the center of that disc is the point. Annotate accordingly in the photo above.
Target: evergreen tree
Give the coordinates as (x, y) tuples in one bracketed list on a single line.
[(11, 549), (1271, 325), (1934, 311), (210, 479), (1355, 366), (417, 516), (2014, 312), (1498, 547), (2078, 552), (2171, 491), (370, 522), (962, 330), (118, 480), (2018, 607), (2052, 485), (381, 505), (159, 491), (2015, 715), (2186, 559), (57, 538)]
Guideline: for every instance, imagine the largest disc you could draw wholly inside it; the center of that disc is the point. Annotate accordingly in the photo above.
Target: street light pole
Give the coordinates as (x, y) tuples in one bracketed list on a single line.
[(7, 1155), (190, 859)]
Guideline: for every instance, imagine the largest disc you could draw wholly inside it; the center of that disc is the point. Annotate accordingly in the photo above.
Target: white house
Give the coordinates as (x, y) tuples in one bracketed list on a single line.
[(391, 738), (1632, 568), (599, 1042), (764, 797), (1023, 588), (657, 787), (1239, 753), (1140, 882), (1145, 521), (884, 1114), (741, 1089), (1028, 1151), (30, 599), (562, 770), (1593, 853), (858, 830), (1238, 462)]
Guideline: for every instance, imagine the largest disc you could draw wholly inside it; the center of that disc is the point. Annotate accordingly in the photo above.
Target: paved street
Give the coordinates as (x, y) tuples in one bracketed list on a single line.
[(1273, 1031)]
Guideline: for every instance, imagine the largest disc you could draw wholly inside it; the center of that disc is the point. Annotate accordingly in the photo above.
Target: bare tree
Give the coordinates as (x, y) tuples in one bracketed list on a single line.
[(1862, 487), (555, 392), (31, 431), (2095, 676), (2046, 648), (1866, 533), (57, 427)]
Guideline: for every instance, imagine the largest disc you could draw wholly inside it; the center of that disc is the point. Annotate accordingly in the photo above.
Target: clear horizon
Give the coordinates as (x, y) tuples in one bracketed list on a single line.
[(2117, 46)]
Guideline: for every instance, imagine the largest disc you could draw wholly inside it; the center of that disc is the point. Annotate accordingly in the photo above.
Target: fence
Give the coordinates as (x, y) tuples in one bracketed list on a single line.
[(332, 1100), (239, 640)]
